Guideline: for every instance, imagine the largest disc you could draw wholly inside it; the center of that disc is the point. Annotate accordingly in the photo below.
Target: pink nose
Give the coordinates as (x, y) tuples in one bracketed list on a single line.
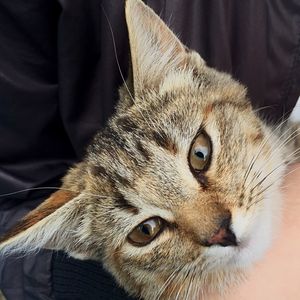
[(224, 236)]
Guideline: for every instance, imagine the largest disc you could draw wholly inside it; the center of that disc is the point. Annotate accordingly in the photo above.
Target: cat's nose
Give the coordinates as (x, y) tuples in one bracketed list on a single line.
[(224, 236)]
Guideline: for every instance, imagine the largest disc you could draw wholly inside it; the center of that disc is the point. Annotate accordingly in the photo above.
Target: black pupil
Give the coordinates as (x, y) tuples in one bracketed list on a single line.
[(200, 155), (145, 229)]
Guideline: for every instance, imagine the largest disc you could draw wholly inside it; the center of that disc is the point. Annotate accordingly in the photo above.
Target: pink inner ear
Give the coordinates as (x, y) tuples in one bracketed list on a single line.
[(55, 201)]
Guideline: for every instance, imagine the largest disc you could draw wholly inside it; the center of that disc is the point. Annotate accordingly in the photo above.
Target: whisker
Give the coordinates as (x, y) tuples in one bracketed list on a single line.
[(293, 135), (166, 284), (34, 189), (190, 284), (266, 188), (186, 273), (274, 169), (56, 188), (115, 52), (257, 195), (254, 158), (262, 108)]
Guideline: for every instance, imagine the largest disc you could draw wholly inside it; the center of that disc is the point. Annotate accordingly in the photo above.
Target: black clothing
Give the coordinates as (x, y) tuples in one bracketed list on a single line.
[(58, 85), (73, 279)]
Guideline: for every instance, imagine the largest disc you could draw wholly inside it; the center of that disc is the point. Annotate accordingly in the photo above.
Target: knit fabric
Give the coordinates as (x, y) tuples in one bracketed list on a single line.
[(83, 280)]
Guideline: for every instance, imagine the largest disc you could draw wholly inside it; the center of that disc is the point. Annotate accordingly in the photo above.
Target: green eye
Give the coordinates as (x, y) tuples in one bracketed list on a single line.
[(146, 231), (200, 152)]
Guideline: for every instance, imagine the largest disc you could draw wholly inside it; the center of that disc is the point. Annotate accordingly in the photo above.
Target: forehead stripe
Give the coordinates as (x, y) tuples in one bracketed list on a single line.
[(124, 204), (126, 124), (162, 140), (143, 151)]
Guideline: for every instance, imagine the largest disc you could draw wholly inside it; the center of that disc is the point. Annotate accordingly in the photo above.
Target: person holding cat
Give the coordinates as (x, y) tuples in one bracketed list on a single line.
[(62, 62)]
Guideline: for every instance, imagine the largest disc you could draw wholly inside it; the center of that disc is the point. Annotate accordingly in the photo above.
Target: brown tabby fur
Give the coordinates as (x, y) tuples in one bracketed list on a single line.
[(138, 167)]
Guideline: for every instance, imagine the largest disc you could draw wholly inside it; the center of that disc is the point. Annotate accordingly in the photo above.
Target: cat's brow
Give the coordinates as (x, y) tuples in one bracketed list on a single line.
[(124, 204), (122, 180), (144, 152), (164, 141)]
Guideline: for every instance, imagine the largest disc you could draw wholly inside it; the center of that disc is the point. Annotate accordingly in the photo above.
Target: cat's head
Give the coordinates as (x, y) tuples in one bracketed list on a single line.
[(180, 192)]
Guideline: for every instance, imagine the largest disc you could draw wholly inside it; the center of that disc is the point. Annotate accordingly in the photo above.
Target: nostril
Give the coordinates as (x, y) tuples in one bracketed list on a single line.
[(224, 236)]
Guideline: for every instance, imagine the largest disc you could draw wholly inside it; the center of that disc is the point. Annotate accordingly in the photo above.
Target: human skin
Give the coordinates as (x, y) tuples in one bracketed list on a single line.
[(277, 276)]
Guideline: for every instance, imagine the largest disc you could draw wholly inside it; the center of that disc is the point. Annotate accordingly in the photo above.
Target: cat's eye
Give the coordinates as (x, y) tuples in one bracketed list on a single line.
[(200, 152), (146, 231)]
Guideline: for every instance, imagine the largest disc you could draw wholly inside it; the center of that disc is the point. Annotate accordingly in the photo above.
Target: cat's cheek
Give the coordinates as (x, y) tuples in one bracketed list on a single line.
[(264, 230), (257, 243)]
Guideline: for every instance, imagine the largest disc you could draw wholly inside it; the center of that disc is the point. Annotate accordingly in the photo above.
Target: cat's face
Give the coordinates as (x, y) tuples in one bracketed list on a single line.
[(178, 199), (187, 159), (180, 192)]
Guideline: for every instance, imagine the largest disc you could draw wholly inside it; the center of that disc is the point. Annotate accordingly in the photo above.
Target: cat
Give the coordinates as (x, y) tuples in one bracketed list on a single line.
[(180, 193)]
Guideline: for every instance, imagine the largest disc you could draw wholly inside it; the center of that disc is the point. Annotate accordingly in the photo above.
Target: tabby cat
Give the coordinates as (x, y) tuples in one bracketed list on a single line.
[(180, 193)]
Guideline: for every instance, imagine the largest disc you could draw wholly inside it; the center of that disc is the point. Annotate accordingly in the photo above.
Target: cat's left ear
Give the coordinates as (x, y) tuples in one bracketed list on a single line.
[(155, 49), (55, 224)]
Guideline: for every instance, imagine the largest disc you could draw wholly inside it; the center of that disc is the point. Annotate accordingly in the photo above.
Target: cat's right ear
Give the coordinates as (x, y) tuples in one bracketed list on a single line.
[(155, 49), (54, 225)]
